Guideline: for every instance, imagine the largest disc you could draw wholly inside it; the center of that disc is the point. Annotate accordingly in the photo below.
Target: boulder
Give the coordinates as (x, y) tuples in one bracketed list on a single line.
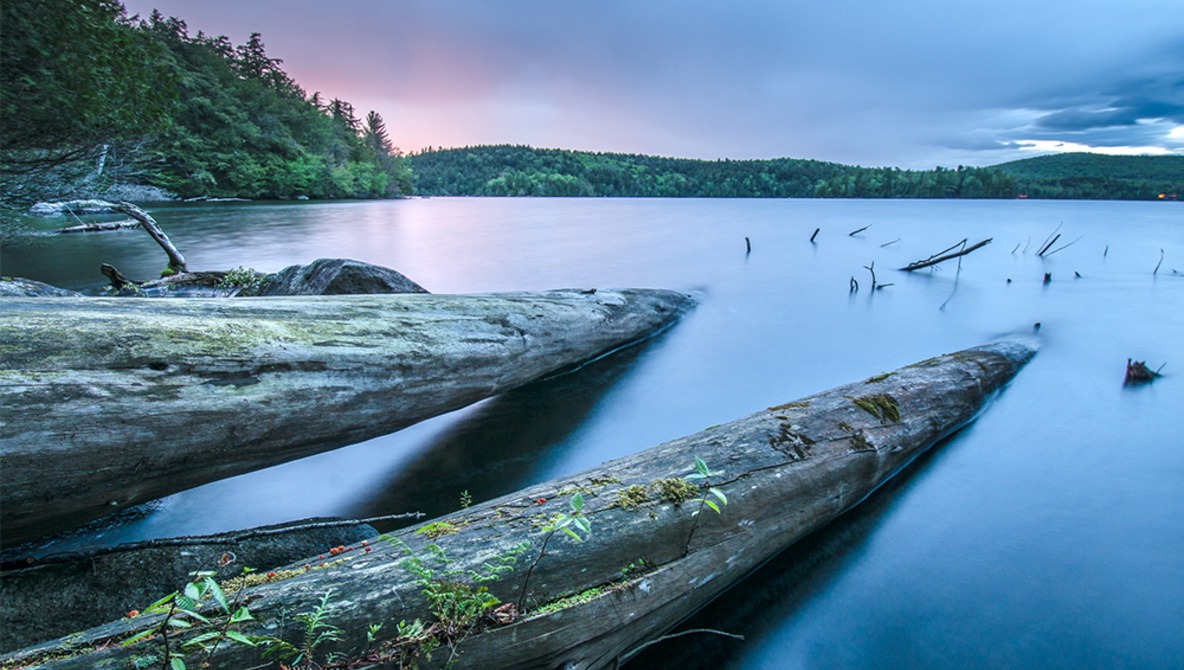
[(337, 276)]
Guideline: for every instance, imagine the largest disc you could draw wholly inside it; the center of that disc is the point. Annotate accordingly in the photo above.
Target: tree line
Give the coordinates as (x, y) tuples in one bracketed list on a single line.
[(506, 170), (90, 94)]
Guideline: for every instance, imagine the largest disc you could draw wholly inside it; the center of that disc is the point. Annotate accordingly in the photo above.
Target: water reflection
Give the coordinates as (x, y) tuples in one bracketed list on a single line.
[(502, 446)]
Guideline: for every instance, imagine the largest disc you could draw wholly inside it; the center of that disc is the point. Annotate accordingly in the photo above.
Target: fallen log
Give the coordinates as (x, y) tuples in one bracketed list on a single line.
[(97, 586), (176, 260), (99, 227), (110, 402), (654, 554)]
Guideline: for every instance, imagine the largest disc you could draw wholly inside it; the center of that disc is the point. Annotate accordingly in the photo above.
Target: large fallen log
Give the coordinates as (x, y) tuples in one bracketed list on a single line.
[(111, 402), (654, 555)]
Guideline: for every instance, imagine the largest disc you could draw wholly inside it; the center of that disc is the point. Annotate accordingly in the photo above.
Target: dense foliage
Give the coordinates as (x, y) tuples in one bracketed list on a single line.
[(195, 115), (75, 74), (519, 170), (1086, 176)]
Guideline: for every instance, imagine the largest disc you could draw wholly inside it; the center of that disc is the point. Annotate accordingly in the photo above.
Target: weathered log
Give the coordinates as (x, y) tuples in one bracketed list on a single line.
[(94, 587), (110, 402), (99, 227), (786, 471)]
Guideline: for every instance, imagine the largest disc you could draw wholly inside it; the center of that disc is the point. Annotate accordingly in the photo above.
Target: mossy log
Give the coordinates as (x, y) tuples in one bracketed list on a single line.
[(110, 402), (785, 471)]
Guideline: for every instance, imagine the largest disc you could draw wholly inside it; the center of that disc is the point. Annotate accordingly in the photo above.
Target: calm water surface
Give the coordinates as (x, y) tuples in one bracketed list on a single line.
[(1049, 534)]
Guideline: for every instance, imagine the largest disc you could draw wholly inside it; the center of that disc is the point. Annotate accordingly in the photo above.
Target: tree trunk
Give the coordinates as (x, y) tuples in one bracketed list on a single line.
[(176, 260), (785, 472), (111, 402)]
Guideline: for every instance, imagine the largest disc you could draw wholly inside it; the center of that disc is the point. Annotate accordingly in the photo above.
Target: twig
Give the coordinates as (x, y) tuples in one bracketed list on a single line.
[(1156, 271), (1049, 244), (1017, 246), (748, 243), (934, 261), (888, 244), (872, 269), (1064, 246), (816, 230), (637, 650), (1044, 245), (1027, 244), (854, 285), (853, 233), (1106, 251), (947, 249)]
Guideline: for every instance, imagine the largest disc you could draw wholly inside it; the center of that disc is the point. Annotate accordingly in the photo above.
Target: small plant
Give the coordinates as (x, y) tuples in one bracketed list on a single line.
[(465, 499), (317, 633), (181, 614), (675, 489), (561, 522), (247, 280), (701, 474)]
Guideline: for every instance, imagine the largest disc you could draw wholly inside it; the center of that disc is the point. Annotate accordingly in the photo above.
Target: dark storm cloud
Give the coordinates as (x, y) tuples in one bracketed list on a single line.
[(912, 83)]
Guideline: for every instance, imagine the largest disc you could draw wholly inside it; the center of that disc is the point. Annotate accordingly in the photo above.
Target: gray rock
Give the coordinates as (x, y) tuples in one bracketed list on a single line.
[(337, 276), (19, 287), (71, 206)]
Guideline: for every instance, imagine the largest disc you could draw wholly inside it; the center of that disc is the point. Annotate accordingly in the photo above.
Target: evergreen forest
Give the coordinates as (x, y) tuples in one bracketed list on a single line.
[(94, 98)]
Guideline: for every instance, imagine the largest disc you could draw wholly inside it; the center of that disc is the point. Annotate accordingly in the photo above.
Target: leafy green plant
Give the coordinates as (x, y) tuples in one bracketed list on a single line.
[(564, 521), (181, 610), (247, 280), (318, 631), (701, 475)]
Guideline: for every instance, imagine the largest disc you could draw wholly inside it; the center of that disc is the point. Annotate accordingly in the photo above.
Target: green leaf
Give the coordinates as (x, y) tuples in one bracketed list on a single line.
[(137, 637), (243, 614), (192, 591), (159, 605), (719, 494), (577, 501), (215, 590), (573, 534), (701, 467), (195, 615), (240, 638), (200, 640), (177, 663), (712, 505), (180, 623), (583, 524)]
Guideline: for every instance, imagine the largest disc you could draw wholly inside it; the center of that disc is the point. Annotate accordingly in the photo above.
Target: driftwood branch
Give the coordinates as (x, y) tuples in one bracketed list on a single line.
[(176, 260), (857, 231), (84, 227), (940, 259)]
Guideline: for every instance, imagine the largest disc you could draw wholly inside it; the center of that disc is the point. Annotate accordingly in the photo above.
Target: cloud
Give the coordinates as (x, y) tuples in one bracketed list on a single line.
[(913, 83)]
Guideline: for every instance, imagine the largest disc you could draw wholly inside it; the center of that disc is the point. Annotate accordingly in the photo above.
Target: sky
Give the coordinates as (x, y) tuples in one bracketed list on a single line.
[(909, 83)]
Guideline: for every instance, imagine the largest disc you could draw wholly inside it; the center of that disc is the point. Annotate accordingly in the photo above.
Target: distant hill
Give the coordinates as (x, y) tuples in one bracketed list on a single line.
[(1098, 176), (525, 171)]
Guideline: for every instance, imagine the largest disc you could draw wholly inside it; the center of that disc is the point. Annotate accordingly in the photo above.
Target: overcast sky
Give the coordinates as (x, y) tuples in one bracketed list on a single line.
[(910, 83)]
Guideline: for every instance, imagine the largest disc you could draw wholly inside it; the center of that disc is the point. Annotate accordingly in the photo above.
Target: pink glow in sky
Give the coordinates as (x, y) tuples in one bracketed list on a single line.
[(915, 83)]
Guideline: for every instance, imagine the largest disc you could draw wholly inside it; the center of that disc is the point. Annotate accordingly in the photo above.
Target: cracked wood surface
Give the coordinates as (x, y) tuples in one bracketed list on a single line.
[(786, 471), (110, 402)]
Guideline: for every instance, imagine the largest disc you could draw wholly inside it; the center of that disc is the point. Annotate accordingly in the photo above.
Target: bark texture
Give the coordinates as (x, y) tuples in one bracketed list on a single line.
[(786, 471), (110, 402)]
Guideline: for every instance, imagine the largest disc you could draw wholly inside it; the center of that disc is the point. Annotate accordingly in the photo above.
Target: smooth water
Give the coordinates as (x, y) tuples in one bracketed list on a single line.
[(1048, 534)]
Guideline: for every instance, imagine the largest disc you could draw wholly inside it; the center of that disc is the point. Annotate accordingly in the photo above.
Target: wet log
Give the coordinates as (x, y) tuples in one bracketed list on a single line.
[(937, 258), (110, 402), (654, 556), (176, 260)]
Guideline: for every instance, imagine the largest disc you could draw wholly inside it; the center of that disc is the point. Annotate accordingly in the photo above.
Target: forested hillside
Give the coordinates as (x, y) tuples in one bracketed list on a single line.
[(93, 98), (521, 171), (1087, 176)]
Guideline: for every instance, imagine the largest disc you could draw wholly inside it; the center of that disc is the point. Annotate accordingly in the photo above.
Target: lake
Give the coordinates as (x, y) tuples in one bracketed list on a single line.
[(1047, 534)]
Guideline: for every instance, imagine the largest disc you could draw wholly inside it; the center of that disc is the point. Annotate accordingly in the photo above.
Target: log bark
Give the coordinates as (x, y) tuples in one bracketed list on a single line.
[(110, 402), (786, 471)]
